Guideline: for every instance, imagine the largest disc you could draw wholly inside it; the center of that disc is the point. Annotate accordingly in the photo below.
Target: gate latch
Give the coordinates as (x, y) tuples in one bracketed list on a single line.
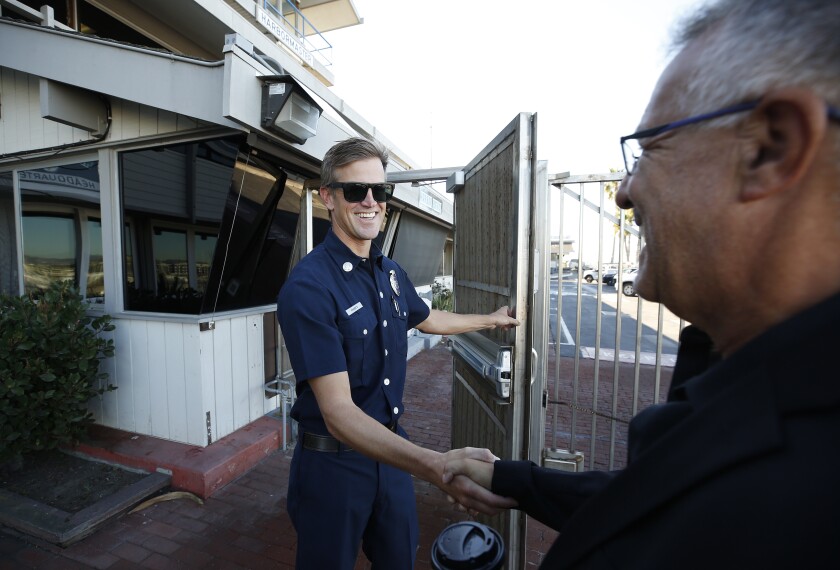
[(492, 362)]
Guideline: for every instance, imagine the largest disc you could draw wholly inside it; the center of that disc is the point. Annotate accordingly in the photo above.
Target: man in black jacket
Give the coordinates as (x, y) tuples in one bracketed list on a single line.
[(733, 177)]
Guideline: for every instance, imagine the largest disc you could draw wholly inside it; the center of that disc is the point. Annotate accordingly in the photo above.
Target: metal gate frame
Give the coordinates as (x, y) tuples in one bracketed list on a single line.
[(569, 456)]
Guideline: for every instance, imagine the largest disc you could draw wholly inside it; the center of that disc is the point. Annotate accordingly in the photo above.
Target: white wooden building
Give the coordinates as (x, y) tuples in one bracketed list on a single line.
[(140, 158)]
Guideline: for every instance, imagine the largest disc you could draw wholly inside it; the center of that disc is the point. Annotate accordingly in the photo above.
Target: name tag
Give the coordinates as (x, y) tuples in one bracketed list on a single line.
[(353, 309)]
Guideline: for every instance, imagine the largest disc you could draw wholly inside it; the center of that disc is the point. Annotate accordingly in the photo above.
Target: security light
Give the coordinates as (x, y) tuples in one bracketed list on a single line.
[(287, 109)]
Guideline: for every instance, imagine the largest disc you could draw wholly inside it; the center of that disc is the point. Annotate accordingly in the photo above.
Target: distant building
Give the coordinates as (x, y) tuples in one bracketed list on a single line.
[(561, 255)]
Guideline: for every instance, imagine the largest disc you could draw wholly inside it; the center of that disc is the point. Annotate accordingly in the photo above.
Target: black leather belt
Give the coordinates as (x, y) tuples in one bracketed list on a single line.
[(330, 444)]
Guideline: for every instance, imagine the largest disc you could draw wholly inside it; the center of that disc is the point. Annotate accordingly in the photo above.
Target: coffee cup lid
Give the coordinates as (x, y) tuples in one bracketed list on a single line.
[(468, 545)]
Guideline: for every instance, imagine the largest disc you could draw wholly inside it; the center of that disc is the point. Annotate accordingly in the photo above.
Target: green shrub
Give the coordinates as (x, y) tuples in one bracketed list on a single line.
[(50, 352), (442, 297)]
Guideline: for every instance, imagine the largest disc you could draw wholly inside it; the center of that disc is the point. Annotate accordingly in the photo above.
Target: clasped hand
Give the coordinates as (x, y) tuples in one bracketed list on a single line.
[(467, 477)]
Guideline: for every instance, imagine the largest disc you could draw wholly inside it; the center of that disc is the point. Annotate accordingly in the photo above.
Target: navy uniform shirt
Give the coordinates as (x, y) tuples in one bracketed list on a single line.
[(339, 312)]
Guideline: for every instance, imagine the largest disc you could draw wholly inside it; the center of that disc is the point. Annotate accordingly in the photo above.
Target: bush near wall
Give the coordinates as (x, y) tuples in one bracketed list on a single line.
[(442, 297), (50, 352)]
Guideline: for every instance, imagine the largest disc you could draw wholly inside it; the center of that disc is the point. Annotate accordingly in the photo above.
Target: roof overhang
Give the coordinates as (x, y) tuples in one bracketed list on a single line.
[(328, 15)]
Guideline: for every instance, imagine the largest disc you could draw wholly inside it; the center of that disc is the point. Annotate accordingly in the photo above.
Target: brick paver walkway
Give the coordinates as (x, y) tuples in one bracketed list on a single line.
[(245, 525)]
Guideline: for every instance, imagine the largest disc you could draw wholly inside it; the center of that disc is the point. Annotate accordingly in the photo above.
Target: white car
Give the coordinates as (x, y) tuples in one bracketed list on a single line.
[(627, 283)]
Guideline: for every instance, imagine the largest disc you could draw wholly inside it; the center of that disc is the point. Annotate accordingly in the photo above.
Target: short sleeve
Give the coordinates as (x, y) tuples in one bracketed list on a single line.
[(306, 314)]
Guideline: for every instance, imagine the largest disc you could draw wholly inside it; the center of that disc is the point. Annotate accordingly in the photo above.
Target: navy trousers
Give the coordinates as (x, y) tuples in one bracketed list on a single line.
[(339, 500)]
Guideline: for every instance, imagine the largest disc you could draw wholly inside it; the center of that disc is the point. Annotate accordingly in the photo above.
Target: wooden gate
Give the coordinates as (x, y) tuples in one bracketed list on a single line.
[(496, 390)]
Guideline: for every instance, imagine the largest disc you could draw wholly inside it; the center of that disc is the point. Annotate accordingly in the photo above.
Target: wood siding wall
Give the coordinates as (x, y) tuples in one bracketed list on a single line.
[(170, 376), (22, 127)]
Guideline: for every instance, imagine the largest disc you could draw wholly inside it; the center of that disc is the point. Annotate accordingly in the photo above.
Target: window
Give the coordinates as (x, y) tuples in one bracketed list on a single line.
[(49, 250), (418, 248), (173, 201), (87, 19), (209, 226), (171, 263), (61, 228)]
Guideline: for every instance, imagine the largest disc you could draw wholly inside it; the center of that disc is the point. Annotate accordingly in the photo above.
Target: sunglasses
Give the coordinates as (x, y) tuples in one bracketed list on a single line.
[(357, 191)]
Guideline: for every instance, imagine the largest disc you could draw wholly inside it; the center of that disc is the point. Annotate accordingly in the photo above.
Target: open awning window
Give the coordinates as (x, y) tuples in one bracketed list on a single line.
[(418, 248)]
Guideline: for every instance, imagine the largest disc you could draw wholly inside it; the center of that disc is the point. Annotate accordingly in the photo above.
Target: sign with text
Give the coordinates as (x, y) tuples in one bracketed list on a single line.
[(279, 32)]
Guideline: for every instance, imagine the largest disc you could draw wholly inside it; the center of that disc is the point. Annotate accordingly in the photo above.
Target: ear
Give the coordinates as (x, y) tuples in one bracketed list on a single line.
[(327, 198), (786, 133)]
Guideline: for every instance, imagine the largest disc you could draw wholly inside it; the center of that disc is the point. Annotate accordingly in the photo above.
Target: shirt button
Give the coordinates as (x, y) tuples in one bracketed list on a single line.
[(381, 296), (348, 267), (387, 382), (405, 314), (386, 352), (396, 410), (364, 331), (384, 323)]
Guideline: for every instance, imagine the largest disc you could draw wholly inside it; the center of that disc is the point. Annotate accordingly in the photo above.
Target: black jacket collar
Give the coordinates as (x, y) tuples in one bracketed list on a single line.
[(789, 368)]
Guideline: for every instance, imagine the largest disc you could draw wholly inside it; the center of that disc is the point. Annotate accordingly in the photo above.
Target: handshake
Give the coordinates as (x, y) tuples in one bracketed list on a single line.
[(467, 476)]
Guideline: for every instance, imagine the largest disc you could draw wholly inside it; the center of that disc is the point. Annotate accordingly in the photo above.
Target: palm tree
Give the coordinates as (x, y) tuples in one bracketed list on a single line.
[(611, 189)]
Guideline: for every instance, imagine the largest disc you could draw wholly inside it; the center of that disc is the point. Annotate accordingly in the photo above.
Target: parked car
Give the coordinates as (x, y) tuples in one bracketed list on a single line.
[(590, 275), (609, 277), (628, 282)]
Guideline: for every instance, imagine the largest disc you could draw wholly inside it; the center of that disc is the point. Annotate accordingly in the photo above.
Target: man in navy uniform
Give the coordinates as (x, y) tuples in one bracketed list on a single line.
[(733, 177), (344, 312)]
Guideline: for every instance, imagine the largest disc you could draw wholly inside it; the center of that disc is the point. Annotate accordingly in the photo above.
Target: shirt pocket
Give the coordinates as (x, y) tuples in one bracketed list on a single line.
[(399, 318), (357, 334)]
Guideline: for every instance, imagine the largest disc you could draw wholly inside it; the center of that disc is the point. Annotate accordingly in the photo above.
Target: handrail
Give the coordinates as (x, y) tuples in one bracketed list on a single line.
[(301, 31)]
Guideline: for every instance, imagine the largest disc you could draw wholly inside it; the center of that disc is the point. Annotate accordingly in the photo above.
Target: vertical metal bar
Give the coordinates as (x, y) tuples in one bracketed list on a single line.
[(558, 329), (576, 382), (616, 358), (637, 358), (597, 371)]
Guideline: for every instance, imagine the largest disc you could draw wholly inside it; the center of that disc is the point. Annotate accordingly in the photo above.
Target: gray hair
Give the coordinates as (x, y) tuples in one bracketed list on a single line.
[(348, 151), (759, 45)]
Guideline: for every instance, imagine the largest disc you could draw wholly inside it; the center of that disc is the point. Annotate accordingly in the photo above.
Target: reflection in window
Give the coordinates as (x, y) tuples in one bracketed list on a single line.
[(8, 238), (96, 272), (129, 257), (259, 226), (205, 246), (173, 273), (61, 228), (209, 226), (173, 199), (49, 250)]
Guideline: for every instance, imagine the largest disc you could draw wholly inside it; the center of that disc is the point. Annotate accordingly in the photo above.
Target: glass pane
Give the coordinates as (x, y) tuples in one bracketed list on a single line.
[(211, 194), (171, 262), (129, 257), (8, 238), (96, 275), (54, 201), (170, 194), (258, 236), (49, 251), (205, 245)]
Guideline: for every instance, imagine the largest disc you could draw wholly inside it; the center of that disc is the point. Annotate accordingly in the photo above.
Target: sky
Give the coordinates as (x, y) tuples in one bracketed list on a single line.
[(441, 83)]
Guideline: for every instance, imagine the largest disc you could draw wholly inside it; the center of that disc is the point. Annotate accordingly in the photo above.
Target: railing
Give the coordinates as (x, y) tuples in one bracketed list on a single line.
[(311, 38)]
